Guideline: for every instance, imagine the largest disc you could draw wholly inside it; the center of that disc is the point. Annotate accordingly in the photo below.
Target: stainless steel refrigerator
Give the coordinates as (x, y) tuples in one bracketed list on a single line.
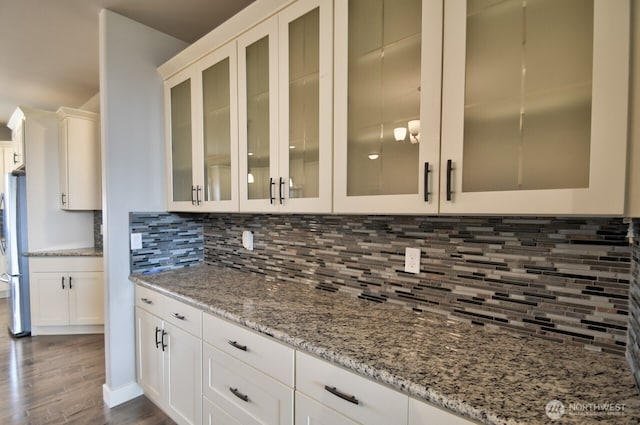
[(13, 244)]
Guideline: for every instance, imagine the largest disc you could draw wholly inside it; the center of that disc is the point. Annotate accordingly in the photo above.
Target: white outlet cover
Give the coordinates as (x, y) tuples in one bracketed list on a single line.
[(247, 240), (136, 241), (412, 260)]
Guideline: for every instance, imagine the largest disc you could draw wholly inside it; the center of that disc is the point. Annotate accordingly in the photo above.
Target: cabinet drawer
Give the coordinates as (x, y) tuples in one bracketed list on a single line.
[(372, 403), (213, 415), (249, 396), (183, 316), (268, 356), (150, 300)]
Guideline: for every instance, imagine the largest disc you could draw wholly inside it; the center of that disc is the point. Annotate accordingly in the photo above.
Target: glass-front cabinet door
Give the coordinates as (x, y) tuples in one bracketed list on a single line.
[(387, 106), (285, 92), (202, 134), (534, 106), (179, 105), (218, 152), (306, 68), (258, 117)]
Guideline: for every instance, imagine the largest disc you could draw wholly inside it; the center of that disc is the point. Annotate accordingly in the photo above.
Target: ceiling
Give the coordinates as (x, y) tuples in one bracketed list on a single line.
[(49, 48)]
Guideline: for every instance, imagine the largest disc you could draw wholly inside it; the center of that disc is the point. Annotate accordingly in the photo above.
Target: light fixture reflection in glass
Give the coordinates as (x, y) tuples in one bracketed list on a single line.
[(414, 131), (399, 133), (374, 156), (250, 178), (250, 154), (290, 182)]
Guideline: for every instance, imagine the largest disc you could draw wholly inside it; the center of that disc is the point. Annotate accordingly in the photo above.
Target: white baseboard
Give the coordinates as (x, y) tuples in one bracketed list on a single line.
[(114, 397), (67, 330)]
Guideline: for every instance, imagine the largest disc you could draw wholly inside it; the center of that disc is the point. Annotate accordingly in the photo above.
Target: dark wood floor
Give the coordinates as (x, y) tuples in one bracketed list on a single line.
[(58, 380)]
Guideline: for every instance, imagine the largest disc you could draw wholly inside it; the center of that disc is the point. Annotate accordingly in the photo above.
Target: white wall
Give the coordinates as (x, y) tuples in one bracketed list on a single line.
[(133, 173), (49, 227)]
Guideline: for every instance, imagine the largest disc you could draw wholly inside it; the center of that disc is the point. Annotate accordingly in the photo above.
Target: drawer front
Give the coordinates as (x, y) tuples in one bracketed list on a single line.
[(268, 356), (354, 396), (183, 316), (246, 394), (213, 415), (311, 412), (150, 300)]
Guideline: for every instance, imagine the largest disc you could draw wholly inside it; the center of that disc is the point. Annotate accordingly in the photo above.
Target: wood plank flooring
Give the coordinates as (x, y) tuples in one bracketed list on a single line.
[(58, 380)]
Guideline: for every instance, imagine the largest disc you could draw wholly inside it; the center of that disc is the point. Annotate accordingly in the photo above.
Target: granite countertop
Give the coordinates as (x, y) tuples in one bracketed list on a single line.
[(75, 252), (492, 376)]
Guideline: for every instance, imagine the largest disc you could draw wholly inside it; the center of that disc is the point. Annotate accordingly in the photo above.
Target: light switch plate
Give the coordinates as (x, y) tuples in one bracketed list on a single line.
[(136, 241), (412, 260)]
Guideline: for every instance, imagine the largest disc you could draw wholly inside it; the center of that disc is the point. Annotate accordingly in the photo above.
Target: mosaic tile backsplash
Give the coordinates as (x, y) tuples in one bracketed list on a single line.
[(633, 349), (563, 279), (169, 241)]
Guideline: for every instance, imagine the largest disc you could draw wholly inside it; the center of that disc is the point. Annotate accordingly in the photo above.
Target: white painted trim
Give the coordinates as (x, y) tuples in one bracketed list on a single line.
[(115, 397), (238, 24)]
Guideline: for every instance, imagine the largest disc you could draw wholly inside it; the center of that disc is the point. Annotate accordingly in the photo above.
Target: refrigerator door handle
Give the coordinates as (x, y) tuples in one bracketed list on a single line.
[(4, 278)]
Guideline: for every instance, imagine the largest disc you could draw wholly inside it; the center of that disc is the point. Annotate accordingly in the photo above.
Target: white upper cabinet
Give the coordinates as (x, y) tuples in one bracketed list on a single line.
[(17, 125), (534, 113), (387, 106), (419, 107), (79, 160), (285, 97), (202, 138)]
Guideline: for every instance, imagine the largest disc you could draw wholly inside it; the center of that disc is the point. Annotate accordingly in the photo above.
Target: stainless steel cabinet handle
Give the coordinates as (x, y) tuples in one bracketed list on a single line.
[(198, 192), (178, 316), (238, 346), (335, 392), (193, 195), (62, 196), (238, 394), (281, 190)]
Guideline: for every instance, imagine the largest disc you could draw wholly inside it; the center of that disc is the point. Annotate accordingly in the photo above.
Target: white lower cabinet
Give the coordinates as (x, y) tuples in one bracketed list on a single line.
[(66, 295), (169, 356), (421, 413)]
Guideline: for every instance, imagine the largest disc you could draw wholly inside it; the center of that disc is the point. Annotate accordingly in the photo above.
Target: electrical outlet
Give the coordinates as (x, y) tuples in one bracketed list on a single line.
[(136, 241), (412, 260)]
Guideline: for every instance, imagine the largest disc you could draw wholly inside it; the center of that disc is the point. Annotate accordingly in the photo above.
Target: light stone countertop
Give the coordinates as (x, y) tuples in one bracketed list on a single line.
[(492, 376), (76, 252)]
